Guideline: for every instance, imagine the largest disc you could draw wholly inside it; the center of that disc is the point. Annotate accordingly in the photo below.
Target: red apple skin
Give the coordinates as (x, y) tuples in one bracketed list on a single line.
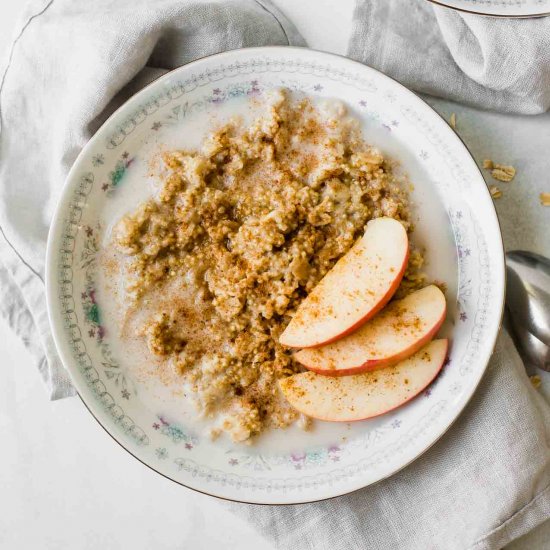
[(404, 402), (377, 308), (410, 398), (368, 315), (375, 364)]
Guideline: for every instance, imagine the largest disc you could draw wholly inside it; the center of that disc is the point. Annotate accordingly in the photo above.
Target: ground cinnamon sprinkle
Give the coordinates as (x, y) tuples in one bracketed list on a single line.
[(241, 231)]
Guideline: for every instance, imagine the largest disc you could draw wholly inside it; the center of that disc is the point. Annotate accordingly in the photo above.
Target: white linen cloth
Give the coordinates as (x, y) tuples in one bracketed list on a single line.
[(483, 61), (484, 484)]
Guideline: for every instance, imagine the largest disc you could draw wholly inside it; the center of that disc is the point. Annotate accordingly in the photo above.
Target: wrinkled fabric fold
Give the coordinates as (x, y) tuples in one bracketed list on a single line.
[(484, 484), (499, 64)]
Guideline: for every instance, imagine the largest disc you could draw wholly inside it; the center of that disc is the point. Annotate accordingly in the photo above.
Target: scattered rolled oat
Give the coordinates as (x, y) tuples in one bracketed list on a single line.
[(545, 199), (536, 381), (452, 121), (496, 193), (488, 164), (502, 172)]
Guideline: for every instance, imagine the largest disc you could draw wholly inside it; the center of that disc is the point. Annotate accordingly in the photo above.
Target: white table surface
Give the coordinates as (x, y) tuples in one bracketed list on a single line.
[(65, 484)]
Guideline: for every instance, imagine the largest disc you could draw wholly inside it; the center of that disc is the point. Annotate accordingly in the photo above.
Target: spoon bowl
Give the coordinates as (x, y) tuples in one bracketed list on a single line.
[(534, 352), (528, 292)]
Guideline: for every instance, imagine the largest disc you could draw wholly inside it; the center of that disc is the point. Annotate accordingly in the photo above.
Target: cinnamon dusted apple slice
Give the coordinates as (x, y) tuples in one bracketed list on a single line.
[(361, 396), (398, 331), (354, 290)]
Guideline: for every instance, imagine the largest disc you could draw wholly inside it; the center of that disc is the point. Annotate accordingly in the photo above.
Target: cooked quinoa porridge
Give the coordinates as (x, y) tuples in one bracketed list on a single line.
[(240, 231)]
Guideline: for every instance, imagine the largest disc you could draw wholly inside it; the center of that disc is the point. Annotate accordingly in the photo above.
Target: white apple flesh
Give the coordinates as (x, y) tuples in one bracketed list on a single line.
[(361, 396), (398, 331), (359, 285)]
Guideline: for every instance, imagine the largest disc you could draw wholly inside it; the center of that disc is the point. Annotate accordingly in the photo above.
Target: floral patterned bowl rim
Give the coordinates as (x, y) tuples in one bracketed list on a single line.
[(302, 470), (514, 9)]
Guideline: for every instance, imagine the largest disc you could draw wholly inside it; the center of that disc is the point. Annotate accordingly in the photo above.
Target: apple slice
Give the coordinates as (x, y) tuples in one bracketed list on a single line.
[(398, 331), (354, 290), (361, 396)]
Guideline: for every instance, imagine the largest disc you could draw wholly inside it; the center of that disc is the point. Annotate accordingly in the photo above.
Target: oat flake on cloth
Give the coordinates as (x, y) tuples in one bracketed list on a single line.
[(484, 484)]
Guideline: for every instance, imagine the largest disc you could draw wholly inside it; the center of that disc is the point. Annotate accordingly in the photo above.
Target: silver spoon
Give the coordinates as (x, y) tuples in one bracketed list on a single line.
[(528, 304), (534, 352)]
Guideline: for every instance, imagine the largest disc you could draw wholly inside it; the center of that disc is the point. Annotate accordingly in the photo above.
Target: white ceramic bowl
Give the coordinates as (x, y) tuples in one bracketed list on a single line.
[(499, 8), (456, 222)]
